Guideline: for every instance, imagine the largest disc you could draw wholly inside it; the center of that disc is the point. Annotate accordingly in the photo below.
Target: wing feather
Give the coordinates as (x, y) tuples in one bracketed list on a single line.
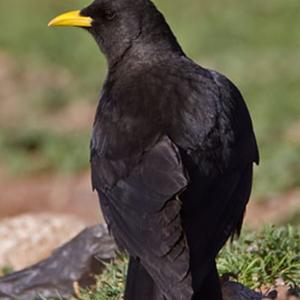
[(143, 211)]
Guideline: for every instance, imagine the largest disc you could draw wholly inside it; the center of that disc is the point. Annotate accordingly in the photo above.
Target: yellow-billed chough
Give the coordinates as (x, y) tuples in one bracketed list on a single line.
[(172, 152)]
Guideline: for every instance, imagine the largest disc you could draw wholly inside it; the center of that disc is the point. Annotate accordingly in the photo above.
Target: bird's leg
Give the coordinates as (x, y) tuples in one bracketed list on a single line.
[(139, 284), (210, 288)]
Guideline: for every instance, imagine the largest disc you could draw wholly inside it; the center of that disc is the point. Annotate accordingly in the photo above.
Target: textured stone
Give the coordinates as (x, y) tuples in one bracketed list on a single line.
[(71, 265), (27, 239), (236, 291)]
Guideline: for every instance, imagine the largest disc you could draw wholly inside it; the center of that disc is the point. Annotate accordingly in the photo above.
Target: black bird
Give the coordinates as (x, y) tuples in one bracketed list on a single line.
[(172, 152)]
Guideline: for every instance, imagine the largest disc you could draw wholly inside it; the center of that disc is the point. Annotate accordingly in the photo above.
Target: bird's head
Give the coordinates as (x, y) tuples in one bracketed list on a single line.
[(117, 24)]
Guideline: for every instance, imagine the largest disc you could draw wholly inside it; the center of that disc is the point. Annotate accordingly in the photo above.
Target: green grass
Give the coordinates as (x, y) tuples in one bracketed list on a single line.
[(110, 285), (6, 270), (257, 259), (255, 43), (261, 258)]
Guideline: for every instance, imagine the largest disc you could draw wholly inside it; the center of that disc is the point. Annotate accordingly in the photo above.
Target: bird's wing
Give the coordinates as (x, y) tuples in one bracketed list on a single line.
[(143, 211), (219, 164)]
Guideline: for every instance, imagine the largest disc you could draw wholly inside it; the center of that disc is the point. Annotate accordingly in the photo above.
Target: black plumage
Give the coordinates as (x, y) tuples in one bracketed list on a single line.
[(172, 154)]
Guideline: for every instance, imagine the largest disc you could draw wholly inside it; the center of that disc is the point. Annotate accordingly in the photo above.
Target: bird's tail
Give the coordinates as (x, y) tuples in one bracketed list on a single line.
[(139, 284)]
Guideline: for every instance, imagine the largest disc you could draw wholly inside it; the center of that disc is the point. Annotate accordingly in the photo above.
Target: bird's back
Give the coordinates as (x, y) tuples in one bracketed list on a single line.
[(173, 110)]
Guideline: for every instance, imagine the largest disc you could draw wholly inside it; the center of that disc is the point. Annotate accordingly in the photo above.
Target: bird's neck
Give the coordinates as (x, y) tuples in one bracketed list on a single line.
[(147, 49)]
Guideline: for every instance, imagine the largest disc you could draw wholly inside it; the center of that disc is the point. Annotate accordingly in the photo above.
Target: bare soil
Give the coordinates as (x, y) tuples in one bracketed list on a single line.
[(50, 193), (273, 211)]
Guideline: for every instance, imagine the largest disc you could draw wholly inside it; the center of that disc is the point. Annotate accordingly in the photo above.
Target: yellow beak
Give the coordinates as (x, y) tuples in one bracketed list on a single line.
[(72, 18)]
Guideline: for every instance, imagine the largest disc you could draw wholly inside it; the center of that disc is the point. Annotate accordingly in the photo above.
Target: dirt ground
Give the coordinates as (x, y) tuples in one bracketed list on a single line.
[(273, 211), (50, 193)]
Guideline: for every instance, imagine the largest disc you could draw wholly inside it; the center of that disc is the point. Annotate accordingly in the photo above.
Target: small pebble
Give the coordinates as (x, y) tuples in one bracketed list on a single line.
[(271, 295), (293, 294), (279, 282)]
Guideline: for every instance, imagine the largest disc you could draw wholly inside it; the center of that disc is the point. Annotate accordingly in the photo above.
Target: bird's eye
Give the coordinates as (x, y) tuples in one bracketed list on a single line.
[(109, 15)]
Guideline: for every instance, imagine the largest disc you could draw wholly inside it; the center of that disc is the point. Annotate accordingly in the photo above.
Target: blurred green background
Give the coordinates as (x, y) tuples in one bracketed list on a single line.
[(50, 80)]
